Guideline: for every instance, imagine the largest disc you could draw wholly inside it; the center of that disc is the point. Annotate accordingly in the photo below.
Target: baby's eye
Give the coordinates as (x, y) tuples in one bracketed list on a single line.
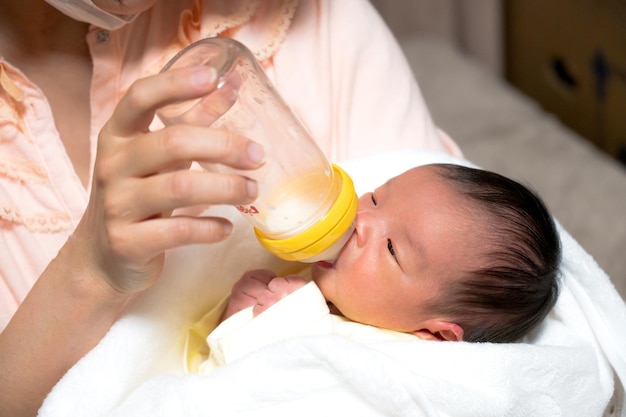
[(374, 199), (390, 248)]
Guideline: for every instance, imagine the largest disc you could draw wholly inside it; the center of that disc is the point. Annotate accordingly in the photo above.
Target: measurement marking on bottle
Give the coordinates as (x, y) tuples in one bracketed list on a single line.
[(251, 210)]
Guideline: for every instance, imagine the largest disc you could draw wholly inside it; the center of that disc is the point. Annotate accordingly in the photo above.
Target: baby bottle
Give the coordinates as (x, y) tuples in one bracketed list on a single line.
[(305, 207)]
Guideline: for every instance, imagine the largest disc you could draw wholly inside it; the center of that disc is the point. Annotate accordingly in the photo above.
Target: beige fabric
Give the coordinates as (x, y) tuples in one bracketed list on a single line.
[(475, 26)]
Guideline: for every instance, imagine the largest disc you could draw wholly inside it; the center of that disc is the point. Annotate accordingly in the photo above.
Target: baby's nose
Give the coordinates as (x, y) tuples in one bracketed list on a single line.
[(363, 226)]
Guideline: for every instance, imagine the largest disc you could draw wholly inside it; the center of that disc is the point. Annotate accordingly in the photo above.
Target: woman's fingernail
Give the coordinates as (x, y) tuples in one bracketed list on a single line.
[(256, 153), (253, 188), (228, 229), (204, 75)]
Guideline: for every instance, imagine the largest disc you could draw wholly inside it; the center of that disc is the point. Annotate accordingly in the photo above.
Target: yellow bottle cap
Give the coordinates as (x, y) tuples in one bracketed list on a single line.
[(323, 234)]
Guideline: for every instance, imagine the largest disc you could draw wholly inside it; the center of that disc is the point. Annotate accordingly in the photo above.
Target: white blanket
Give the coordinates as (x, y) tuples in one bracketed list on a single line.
[(570, 366)]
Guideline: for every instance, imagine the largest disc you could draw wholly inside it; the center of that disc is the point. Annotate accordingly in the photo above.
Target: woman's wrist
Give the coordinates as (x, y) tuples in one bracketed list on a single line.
[(84, 280), (66, 313)]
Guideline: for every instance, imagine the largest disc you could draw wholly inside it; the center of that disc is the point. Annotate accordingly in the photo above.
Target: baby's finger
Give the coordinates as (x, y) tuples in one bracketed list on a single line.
[(265, 300), (279, 285), (295, 280), (253, 282), (285, 286), (263, 275), (258, 276)]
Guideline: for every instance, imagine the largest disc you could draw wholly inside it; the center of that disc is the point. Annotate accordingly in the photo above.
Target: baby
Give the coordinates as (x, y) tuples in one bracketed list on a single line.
[(441, 252)]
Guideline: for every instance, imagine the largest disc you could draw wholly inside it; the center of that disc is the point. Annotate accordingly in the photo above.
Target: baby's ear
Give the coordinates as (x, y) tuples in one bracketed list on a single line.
[(440, 330)]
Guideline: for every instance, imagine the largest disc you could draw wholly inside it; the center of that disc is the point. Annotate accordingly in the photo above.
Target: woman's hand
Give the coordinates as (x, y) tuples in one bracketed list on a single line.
[(117, 249), (141, 177)]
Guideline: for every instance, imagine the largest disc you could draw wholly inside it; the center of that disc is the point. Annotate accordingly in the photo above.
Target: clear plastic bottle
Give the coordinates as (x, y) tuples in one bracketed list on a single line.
[(306, 206)]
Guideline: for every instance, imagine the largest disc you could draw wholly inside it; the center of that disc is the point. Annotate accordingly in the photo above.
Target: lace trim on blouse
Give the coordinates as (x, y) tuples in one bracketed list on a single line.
[(277, 35), (22, 171), (15, 169), (9, 86), (233, 16), (11, 103), (242, 12), (48, 222)]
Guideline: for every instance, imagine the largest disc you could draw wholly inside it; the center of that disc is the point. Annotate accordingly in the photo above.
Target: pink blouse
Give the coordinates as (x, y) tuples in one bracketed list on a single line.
[(334, 63)]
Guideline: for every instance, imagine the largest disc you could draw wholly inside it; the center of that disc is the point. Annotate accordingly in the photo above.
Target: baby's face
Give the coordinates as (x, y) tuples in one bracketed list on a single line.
[(411, 234)]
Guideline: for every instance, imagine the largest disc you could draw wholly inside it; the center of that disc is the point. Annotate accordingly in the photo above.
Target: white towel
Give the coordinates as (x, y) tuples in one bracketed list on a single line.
[(567, 367)]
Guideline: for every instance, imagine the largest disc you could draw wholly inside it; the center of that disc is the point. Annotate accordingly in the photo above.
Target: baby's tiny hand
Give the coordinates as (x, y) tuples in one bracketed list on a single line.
[(245, 291), (277, 289)]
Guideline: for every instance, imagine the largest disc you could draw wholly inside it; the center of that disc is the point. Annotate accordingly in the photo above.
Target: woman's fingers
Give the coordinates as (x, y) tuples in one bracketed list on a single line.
[(169, 147), (207, 110), (138, 199), (141, 177), (159, 234), (137, 108)]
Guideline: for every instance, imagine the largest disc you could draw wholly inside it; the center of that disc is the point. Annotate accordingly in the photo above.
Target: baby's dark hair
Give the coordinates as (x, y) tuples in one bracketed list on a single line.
[(519, 283)]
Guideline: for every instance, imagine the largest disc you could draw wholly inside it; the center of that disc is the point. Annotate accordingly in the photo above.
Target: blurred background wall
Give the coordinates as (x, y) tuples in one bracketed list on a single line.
[(475, 26), (568, 55)]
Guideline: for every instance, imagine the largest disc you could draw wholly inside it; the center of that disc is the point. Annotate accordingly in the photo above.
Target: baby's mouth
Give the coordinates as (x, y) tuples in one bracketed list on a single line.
[(331, 265), (324, 264)]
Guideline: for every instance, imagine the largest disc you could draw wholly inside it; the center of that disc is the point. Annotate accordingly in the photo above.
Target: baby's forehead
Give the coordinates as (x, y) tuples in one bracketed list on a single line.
[(429, 173), (433, 168)]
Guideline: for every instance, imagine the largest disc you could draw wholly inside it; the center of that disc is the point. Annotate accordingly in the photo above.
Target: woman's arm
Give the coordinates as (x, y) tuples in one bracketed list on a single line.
[(117, 250)]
